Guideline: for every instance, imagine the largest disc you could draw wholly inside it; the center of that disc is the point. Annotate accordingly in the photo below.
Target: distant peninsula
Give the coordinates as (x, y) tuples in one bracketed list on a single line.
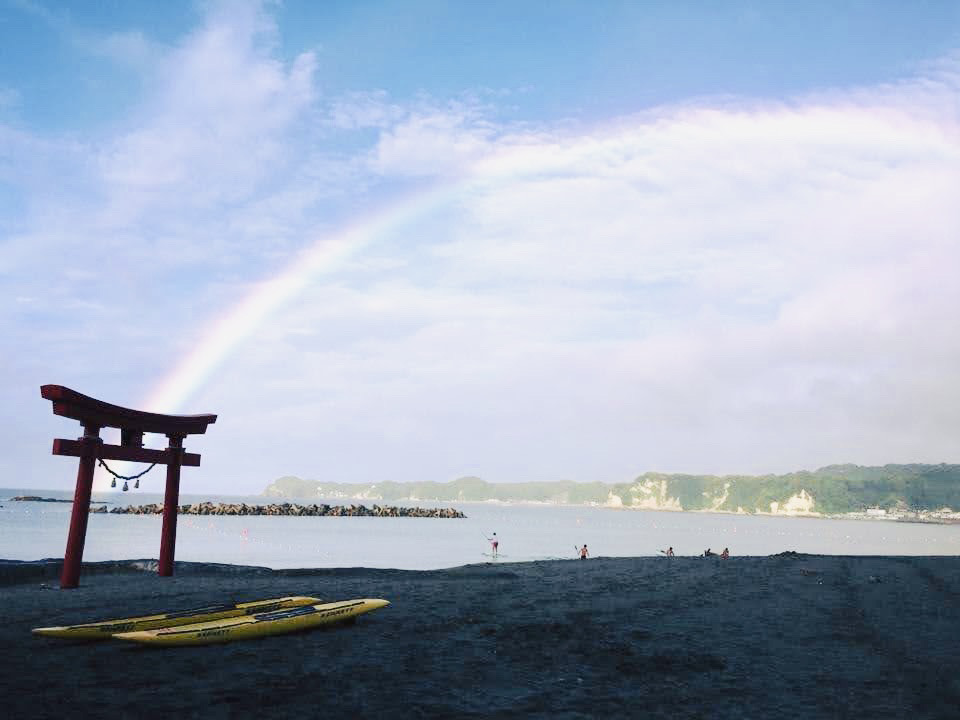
[(37, 498), (897, 491)]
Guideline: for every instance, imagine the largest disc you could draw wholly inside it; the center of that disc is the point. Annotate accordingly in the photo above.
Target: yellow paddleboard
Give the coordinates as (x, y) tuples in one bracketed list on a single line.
[(250, 626), (108, 628)]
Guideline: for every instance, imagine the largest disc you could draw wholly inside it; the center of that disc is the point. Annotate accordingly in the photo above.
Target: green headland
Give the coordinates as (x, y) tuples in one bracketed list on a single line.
[(834, 489)]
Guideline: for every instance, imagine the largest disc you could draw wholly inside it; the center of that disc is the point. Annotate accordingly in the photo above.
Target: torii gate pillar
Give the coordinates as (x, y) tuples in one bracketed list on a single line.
[(95, 415)]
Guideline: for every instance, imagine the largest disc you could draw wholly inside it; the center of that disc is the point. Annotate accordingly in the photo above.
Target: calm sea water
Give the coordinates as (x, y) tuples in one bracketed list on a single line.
[(33, 530)]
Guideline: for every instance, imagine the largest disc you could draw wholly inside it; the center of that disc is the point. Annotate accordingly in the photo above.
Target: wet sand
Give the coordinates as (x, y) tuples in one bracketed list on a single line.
[(787, 636)]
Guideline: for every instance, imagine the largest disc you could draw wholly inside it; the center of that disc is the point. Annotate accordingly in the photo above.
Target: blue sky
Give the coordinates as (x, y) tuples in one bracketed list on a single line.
[(526, 241), (574, 59)]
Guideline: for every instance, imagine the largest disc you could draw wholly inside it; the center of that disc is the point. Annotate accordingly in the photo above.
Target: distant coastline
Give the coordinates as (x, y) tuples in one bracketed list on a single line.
[(904, 493), (37, 498)]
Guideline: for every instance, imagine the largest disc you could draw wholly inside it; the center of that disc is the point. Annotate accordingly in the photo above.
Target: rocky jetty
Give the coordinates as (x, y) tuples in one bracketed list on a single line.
[(292, 509)]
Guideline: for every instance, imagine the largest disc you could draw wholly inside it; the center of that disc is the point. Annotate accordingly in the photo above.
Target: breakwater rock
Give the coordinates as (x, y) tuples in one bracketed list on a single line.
[(293, 509)]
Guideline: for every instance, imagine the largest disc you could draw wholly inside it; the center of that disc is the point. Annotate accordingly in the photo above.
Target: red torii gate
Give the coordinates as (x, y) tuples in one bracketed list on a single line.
[(95, 415)]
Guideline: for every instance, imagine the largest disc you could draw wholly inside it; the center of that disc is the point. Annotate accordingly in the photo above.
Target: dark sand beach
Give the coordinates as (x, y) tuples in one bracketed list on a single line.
[(787, 636)]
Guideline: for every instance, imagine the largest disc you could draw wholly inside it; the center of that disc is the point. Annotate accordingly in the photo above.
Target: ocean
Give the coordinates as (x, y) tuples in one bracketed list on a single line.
[(38, 530)]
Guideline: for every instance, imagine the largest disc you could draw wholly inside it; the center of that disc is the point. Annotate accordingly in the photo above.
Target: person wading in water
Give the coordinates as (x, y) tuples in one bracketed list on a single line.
[(494, 544)]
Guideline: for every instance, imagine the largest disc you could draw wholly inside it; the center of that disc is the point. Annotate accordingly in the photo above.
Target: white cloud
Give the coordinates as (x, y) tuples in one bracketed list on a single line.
[(365, 110), (433, 142), (709, 289), (736, 286), (216, 127)]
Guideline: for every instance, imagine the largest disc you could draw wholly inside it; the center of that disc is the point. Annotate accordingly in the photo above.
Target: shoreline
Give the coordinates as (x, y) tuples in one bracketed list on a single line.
[(788, 635), (15, 572)]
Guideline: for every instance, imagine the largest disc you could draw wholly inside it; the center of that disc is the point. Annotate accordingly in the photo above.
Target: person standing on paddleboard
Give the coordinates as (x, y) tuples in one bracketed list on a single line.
[(494, 544)]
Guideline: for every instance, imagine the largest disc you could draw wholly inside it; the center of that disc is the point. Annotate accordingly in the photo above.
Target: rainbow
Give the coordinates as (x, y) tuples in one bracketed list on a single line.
[(324, 255)]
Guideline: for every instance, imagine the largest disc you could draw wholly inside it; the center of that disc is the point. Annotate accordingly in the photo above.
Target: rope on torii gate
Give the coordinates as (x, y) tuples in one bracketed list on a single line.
[(118, 476)]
